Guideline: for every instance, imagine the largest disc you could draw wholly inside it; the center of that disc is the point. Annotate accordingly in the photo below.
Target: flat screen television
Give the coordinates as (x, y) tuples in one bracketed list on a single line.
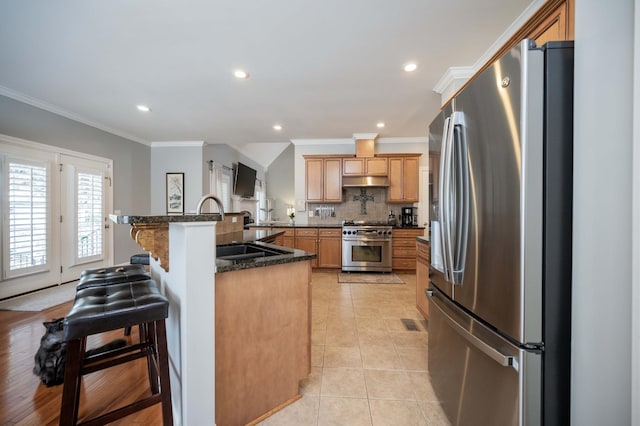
[(244, 182)]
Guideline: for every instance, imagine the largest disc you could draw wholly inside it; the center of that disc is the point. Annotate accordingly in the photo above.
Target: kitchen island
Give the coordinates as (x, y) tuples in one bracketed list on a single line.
[(238, 330)]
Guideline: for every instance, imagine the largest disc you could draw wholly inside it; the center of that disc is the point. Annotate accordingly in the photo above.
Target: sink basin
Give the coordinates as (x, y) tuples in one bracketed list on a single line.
[(245, 251)]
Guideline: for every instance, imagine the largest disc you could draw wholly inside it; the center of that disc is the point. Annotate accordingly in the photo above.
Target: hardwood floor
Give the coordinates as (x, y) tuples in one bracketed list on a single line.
[(25, 401)]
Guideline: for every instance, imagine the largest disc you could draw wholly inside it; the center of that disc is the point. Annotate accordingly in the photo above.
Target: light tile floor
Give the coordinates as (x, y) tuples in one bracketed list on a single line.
[(367, 369)]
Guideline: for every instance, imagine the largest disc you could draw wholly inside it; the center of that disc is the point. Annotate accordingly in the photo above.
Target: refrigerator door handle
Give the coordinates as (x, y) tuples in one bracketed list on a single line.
[(446, 199), (490, 351), (459, 203)]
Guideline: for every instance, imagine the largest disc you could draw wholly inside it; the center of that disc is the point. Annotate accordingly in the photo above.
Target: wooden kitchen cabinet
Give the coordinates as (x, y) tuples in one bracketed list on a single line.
[(323, 179), (286, 239), (330, 248), (403, 248), (403, 179), (373, 166), (423, 256), (307, 239), (555, 27)]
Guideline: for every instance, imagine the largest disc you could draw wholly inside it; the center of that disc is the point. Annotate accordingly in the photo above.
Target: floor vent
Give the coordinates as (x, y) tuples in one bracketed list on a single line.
[(409, 324)]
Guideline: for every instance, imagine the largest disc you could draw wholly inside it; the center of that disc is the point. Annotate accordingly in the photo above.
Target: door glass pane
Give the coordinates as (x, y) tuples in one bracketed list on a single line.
[(89, 214), (27, 215)]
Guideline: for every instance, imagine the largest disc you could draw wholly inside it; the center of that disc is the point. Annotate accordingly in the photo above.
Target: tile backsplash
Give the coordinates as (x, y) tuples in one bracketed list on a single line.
[(350, 209)]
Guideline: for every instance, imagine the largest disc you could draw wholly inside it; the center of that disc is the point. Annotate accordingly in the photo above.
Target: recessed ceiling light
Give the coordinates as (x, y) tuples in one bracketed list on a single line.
[(241, 74), (380, 125), (143, 108), (277, 127), (410, 67)]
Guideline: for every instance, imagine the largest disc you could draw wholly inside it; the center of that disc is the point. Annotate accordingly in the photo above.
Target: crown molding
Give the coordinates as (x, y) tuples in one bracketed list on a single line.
[(357, 136), (54, 109), (302, 142), (413, 139), (455, 77), (177, 144)]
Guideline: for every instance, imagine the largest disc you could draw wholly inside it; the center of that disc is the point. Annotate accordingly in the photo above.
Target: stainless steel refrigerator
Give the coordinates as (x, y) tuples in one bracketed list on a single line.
[(500, 278)]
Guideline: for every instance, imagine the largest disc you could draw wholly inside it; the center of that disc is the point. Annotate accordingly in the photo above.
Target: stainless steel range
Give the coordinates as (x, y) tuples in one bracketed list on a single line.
[(366, 246)]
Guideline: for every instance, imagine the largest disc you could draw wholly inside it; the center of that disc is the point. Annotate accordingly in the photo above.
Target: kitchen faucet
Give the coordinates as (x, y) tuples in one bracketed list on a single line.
[(210, 197)]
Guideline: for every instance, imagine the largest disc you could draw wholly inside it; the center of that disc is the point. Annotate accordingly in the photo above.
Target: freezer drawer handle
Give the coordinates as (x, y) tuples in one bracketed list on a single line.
[(491, 352)]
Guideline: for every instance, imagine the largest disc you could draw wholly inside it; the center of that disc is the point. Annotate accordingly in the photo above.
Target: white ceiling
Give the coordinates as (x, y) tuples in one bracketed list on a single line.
[(322, 68)]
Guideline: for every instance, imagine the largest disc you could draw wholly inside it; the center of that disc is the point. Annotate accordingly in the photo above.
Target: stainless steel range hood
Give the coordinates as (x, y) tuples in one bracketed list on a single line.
[(364, 181)]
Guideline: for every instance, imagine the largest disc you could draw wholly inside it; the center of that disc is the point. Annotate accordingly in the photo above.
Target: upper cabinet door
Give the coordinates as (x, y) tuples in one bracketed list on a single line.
[(370, 166), (403, 180), (323, 179), (377, 166), (314, 177), (333, 180), (353, 166)]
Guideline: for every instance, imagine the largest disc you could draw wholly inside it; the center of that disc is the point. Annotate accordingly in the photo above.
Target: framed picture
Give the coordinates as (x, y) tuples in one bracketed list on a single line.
[(175, 193)]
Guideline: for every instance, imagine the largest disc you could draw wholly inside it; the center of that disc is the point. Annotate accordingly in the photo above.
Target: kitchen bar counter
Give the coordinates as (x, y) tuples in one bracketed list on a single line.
[(151, 233)]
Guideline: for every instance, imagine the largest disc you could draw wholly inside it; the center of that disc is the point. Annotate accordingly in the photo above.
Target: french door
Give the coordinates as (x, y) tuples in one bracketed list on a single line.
[(84, 204), (54, 215)]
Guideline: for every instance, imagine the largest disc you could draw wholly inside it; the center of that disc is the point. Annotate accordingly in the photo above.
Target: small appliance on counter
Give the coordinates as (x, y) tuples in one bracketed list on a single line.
[(391, 220), (409, 216)]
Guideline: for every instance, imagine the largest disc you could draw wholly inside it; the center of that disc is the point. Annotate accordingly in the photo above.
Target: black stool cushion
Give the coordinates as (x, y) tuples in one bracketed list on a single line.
[(108, 307), (139, 259), (112, 275)]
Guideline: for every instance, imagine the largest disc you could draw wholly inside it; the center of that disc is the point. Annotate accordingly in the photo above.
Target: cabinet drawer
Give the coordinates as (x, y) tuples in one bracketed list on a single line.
[(403, 263), (331, 232), (306, 232), (407, 233), (288, 232), (404, 242), (404, 252), (422, 249)]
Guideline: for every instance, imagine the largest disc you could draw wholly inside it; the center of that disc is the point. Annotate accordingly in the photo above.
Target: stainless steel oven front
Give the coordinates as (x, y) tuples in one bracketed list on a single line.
[(366, 248)]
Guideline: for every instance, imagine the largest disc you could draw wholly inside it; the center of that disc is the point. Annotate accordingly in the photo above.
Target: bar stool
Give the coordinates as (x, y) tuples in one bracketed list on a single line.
[(103, 308), (113, 275)]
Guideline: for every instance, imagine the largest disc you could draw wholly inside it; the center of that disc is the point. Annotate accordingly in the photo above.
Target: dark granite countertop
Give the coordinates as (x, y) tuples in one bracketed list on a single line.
[(423, 240), (291, 255), (131, 219)]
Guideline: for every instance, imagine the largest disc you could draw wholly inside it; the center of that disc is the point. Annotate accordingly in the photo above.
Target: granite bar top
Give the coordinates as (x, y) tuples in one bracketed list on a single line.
[(131, 219)]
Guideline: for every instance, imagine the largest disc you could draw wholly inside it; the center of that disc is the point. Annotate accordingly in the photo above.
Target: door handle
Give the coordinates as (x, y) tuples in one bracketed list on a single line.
[(490, 351)]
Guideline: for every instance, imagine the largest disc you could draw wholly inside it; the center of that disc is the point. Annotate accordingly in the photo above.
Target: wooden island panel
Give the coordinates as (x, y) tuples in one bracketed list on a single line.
[(263, 340)]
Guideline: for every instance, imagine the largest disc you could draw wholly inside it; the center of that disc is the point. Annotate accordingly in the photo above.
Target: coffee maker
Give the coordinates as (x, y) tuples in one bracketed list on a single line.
[(409, 216)]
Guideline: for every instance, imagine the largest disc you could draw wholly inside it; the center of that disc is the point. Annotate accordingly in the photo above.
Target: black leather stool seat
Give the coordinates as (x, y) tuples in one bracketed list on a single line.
[(141, 259), (101, 308), (108, 307), (112, 275)]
